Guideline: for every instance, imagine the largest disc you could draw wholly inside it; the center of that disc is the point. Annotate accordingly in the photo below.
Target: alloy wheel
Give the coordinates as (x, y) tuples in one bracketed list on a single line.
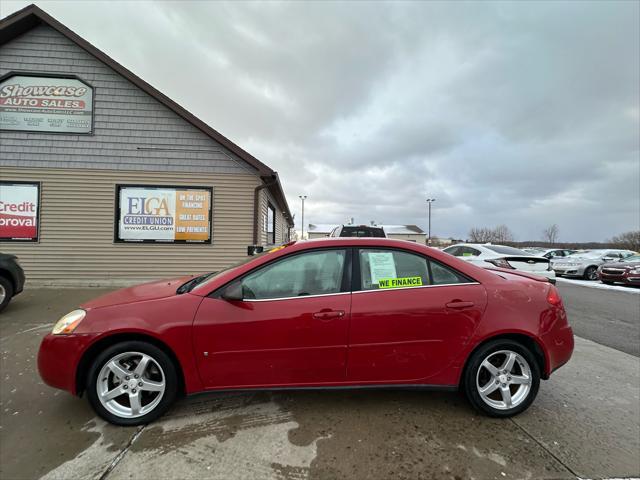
[(504, 379), (3, 293), (130, 384)]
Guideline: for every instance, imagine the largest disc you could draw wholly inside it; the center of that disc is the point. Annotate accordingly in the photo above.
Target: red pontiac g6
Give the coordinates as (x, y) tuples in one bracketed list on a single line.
[(354, 312)]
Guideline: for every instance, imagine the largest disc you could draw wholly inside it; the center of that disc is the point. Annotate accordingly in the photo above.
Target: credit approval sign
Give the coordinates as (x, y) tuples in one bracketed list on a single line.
[(164, 214), (45, 104), (19, 211)]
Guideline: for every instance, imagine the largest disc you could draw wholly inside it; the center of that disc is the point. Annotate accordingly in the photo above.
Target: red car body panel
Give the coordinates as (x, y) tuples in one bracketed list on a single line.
[(413, 336)]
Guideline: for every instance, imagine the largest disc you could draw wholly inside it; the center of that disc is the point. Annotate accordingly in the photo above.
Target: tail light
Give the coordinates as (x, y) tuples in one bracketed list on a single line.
[(500, 262), (553, 296)]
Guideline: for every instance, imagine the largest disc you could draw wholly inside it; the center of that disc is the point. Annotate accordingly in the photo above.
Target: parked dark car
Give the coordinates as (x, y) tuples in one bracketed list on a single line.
[(626, 271), (358, 231), (11, 278)]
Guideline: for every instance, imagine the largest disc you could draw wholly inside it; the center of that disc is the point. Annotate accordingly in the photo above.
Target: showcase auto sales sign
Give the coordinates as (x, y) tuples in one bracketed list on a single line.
[(46, 104), (19, 211)]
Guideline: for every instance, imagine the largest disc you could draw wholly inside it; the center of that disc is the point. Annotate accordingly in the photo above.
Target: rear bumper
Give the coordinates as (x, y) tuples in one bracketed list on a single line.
[(548, 274), (559, 343), (58, 359)]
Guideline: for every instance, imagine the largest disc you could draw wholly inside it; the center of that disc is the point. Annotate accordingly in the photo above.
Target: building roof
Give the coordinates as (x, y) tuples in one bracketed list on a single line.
[(31, 16), (389, 229)]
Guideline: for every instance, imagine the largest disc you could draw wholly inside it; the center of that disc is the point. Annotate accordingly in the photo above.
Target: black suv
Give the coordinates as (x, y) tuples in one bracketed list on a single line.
[(358, 231), (11, 278)]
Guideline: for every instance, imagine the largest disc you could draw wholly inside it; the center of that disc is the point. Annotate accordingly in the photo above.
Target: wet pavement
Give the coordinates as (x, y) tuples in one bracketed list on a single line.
[(584, 423)]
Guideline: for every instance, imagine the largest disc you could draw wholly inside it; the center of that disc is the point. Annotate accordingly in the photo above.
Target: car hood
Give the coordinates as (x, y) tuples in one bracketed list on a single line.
[(621, 265), (138, 293)]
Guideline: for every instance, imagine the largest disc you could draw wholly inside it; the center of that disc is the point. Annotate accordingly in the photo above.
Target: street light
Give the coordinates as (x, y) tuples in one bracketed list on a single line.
[(429, 202), (303, 198)]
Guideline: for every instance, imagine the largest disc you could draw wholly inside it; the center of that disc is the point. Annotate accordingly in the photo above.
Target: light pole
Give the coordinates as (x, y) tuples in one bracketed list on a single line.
[(429, 202), (303, 198)]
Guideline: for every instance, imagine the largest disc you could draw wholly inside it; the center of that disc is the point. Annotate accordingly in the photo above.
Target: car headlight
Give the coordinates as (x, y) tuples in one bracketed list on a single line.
[(635, 271), (68, 323)]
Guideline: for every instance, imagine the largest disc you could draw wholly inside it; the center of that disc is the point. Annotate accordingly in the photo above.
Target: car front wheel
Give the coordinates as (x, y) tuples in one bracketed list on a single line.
[(6, 292), (132, 383), (502, 378), (591, 273)]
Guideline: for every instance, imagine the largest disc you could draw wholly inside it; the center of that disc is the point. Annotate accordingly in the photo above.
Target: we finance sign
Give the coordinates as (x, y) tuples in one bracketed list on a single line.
[(164, 214), (19, 211)]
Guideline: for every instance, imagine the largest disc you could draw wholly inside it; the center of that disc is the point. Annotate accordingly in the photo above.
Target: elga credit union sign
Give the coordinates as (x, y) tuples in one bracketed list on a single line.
[(164, 214), (19, 207), (46, 104)]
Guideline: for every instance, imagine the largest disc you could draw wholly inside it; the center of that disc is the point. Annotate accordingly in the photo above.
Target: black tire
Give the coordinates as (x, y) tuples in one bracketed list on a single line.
[(8, 290), (170, 378), (471, 371), (590, 273)]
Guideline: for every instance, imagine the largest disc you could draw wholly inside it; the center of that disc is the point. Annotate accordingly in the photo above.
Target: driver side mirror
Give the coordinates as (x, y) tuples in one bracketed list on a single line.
[(233, 292)]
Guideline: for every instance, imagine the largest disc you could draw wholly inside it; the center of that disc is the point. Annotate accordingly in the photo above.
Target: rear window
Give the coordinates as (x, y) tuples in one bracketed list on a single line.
[(505, 250), (362, 232)]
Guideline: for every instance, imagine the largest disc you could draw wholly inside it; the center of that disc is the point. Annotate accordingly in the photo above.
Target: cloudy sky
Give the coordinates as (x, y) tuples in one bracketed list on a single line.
[(526, 114)]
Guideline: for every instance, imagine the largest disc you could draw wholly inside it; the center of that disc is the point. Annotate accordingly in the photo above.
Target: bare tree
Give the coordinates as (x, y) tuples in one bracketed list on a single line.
[(551, 233), (502, 234), (480, 235), (628, 240)]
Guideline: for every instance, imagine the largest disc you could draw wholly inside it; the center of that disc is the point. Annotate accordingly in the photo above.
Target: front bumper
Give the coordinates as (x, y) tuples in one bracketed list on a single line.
[(59, 357), (626, 277), (569, 271)]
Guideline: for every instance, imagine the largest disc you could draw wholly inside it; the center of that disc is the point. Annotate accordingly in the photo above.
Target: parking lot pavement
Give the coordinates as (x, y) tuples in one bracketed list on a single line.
[(585, 422), (608, 317)]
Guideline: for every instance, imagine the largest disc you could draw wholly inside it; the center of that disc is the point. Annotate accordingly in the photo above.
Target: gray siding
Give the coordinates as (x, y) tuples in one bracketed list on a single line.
[(133, 131), (77, 217)]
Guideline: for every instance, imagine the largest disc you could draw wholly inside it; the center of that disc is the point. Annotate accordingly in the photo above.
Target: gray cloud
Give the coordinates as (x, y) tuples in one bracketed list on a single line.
[(523, 113)]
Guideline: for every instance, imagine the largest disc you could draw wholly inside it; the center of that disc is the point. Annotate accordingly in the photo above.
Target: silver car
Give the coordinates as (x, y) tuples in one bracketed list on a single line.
[(585, 264)]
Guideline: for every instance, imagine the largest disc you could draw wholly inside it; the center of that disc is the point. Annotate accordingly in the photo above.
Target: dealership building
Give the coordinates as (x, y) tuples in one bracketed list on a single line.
[(105, 180)]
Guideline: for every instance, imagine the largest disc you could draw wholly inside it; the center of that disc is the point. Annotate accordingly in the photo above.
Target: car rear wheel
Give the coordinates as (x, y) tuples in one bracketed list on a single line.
[(132, 383), (591, 273), (502, 378)]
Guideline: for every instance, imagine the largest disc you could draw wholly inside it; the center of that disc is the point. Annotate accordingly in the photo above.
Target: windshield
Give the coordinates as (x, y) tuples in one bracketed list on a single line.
[(632, 259), (505, 250), (207, 277)]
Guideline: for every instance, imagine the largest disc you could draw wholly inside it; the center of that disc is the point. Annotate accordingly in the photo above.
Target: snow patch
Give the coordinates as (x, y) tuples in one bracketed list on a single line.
[(601, 286)]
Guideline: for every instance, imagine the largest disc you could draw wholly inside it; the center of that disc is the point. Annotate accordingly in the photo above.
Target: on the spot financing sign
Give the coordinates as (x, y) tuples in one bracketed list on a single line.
[(164, 214), (19, 203), (46, 104)]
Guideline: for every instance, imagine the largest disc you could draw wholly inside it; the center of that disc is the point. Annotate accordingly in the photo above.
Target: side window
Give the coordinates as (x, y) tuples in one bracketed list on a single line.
[(383, 269), (443, 275), (468, 252), (455, 251), (312, 273)]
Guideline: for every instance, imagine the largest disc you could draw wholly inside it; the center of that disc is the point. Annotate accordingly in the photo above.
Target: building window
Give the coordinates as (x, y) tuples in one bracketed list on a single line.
[(271, 224)]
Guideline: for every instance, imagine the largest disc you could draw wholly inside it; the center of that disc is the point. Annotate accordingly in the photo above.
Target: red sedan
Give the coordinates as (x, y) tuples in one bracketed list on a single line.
[(330, 313)]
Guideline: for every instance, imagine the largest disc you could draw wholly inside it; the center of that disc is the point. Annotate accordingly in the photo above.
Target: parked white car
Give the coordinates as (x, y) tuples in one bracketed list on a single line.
[(488, 255)]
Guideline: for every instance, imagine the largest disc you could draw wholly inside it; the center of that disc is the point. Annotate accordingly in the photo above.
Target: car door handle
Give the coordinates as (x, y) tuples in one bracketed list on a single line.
[(458, 305), (328, 314)]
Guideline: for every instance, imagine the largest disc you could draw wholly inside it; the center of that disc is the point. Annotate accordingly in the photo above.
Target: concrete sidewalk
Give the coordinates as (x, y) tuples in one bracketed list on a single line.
[(585, 422)]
